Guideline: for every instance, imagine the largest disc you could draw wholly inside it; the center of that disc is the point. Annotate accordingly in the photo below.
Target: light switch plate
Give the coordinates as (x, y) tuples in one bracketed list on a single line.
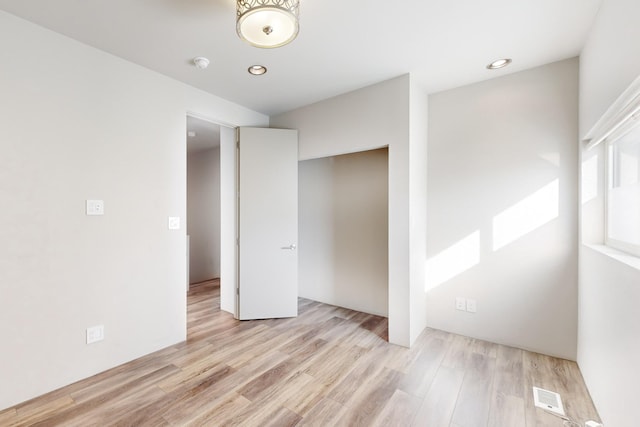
[(461, 303), (95, 334), (471, 305), (174, 223), (95, 207)]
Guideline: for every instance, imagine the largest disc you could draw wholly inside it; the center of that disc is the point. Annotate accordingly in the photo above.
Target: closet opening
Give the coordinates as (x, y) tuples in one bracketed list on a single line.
[(343, 230)]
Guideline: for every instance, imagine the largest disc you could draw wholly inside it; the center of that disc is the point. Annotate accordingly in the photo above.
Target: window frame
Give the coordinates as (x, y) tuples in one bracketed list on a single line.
[(622, 117)]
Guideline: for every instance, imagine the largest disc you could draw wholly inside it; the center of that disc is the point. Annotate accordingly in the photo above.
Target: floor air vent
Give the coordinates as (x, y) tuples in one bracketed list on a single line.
[(548, 400)]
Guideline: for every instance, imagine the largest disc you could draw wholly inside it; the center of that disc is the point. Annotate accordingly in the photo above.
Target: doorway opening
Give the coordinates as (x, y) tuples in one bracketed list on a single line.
[(203, 200), (211, 207)]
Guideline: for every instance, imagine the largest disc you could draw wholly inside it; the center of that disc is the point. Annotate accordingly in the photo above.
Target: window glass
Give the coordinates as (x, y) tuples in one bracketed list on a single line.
[(623, 198)]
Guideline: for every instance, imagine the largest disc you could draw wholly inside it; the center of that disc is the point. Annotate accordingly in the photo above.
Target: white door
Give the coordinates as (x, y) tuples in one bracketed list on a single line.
[(268, 223)]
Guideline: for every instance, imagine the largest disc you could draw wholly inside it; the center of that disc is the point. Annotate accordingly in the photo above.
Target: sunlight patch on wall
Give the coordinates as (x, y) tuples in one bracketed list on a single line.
[(589, 179), (525, 216), (453, 261)]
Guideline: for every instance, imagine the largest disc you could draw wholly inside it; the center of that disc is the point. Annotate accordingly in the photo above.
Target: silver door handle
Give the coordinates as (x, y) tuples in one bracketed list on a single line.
[(290, 247)]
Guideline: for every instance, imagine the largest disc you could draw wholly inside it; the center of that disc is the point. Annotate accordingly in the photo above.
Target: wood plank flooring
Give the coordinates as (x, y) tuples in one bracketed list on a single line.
[(328, 367)]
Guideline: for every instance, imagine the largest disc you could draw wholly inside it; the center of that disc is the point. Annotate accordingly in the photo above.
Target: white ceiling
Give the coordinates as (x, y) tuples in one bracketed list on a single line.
[(343, 44)]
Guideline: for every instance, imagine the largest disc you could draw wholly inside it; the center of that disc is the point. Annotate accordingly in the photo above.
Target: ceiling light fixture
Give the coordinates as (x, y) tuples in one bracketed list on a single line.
[(267, 23), (500, 63), (257, 70), (200, 62)]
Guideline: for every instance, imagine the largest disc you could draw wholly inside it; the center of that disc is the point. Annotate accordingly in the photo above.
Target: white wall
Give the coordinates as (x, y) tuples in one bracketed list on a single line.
[(203, 214), (609, 325), (418, 136), (79, 124), (343, 217), (502, 217), (370, 118)]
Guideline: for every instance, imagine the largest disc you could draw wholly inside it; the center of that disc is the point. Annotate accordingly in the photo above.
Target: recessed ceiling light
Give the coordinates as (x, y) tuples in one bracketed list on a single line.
[(500, 63), (257, 70)]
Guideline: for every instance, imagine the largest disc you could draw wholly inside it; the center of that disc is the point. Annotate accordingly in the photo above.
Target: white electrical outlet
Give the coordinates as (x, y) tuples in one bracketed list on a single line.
[(95, 207), (95, 334), (461, 303), (471, 305)]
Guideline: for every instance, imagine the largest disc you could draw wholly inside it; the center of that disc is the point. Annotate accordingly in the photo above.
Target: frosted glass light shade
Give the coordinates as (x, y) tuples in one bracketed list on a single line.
[(267, 23)]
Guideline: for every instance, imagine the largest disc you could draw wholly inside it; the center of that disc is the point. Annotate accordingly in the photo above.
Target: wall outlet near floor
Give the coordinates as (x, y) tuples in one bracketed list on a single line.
[(466, 304), (95, 334)]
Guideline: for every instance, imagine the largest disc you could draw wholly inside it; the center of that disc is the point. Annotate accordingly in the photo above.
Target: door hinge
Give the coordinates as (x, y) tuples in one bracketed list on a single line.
[(238, 291)]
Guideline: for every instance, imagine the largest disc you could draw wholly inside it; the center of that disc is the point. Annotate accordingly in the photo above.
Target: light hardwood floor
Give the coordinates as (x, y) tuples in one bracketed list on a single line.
[(328, 367)]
